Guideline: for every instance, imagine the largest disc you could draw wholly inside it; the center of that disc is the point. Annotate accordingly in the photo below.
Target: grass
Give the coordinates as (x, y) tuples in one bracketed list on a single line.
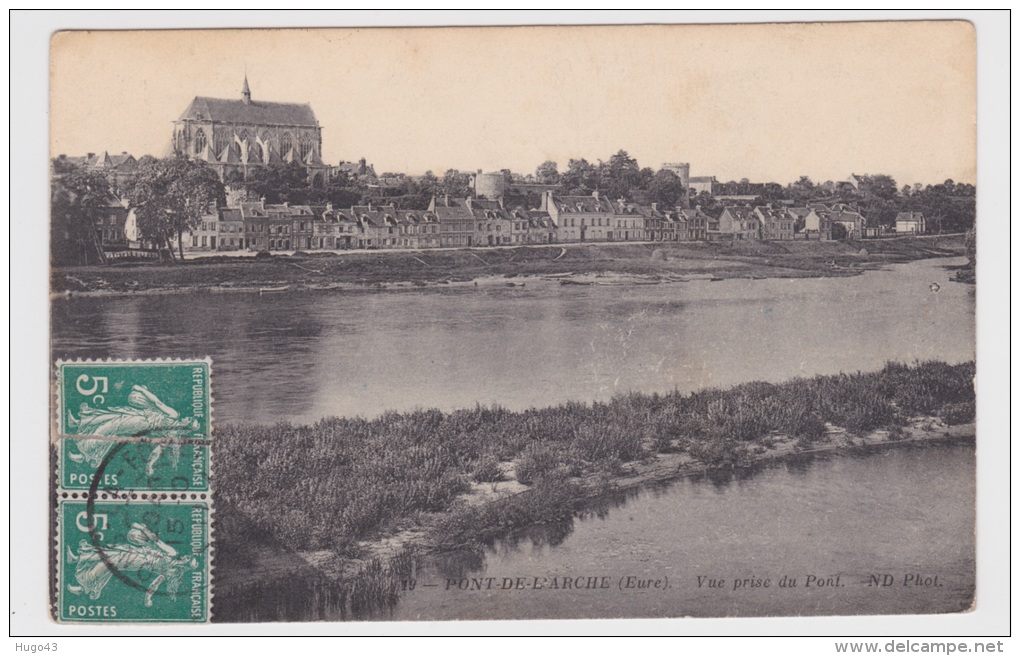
[(341, 480)]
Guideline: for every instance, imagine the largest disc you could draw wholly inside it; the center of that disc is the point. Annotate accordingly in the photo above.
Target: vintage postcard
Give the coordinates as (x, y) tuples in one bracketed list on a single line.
[(505, 323)]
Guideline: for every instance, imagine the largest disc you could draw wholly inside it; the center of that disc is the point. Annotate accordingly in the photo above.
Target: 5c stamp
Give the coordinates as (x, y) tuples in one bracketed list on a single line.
[(134, 561), (132, 491), (161, 409)]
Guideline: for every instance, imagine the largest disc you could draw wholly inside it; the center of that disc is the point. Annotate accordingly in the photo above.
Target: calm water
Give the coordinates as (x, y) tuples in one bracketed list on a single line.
[(896, 512), (908, 511), (303, 355)]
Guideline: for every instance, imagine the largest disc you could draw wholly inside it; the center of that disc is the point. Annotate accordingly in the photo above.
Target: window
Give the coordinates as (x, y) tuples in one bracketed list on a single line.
[(221, 141), (286, 143), (200, 141), (256, 154), (204, 241), (306, 148)]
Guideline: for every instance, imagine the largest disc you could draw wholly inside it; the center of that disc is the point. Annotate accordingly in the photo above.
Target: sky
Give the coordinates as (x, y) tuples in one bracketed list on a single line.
[(763, 102)]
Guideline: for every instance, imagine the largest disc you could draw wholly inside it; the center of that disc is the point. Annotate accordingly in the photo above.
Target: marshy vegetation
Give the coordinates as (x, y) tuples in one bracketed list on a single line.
[(343, 480)]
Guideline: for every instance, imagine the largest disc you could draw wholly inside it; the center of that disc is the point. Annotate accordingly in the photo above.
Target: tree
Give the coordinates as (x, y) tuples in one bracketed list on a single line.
[(80, 199), (707, 202), (581, 177), (882, 186), (666, 189), (279, 183), (619, 176), (547, 173), (802, 191), (342, 196), (456, 184), (171, 195)]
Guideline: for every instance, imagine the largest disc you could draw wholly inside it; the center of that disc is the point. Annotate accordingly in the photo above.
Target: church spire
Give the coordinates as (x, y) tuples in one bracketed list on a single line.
[(245, 91)]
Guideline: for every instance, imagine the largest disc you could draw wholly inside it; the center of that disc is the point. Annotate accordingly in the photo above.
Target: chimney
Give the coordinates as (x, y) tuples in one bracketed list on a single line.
[(329, 207), (655, 207), (262, 202), (595, 194), (446, 200)]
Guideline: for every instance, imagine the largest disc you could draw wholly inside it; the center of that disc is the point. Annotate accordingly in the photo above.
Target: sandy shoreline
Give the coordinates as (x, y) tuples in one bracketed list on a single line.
[(580, 264)]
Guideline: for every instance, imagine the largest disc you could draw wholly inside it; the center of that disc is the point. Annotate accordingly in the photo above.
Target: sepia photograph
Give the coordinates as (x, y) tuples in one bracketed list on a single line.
[(513, 322)]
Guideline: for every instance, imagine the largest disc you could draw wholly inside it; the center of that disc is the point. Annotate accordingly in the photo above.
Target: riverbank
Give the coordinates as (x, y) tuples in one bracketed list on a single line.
[(354, 502), (360, 270)]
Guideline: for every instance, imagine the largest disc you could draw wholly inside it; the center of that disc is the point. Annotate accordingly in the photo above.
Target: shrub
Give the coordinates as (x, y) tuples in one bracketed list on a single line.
[(958, 413)]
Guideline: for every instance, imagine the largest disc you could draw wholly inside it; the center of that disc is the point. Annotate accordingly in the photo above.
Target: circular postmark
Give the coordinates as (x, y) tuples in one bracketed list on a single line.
[(154, 546)]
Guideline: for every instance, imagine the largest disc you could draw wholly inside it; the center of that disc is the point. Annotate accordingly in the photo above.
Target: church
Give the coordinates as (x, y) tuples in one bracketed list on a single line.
[(234, 136)]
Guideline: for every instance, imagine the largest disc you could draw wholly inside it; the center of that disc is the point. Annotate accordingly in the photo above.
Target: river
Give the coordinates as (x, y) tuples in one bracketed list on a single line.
[(904, 515), (301, 355), (847, 519)]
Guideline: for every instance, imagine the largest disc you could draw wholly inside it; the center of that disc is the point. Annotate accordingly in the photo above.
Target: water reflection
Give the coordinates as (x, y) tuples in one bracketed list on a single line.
[(305, 355), (896, 508)]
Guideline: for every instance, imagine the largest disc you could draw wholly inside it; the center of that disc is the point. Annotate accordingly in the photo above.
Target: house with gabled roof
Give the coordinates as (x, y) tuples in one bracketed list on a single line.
[(378, 224), (910, 223), (493, 226), (851, 220), (695, 224), (337, 229), (741, 223), (776, 224), (581, 218), (456, 223)]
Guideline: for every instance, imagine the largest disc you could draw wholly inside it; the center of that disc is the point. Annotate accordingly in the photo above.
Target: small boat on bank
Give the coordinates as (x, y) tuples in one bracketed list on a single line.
[(273, 290)]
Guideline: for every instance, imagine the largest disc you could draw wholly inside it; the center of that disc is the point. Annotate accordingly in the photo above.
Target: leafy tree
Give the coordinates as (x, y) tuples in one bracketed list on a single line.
[(80, 199), (883, 186), (581, 177), (279, 183), (666, 189), (547, 173), (707, 202), (770, 194), (341, 196), (171, 195), (620, 176), (456, 184)]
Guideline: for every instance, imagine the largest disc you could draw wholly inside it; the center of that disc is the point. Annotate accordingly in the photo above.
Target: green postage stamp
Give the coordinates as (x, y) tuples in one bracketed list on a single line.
[(141, 425), (134, 561), (132, 491)]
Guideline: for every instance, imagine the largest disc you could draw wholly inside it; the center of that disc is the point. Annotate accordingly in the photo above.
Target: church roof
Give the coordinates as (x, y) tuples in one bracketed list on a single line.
[(253, 113)]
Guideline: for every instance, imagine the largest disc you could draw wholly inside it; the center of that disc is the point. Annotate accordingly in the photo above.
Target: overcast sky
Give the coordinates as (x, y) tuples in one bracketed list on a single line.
[(765, 102)]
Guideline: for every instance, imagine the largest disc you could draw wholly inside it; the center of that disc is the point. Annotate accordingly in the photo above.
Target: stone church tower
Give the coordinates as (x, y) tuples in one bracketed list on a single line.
[(236, 135)]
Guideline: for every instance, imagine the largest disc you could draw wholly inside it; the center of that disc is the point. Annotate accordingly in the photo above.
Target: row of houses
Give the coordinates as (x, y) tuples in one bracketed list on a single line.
[(447, 222), (815, 221), (464, 222)]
